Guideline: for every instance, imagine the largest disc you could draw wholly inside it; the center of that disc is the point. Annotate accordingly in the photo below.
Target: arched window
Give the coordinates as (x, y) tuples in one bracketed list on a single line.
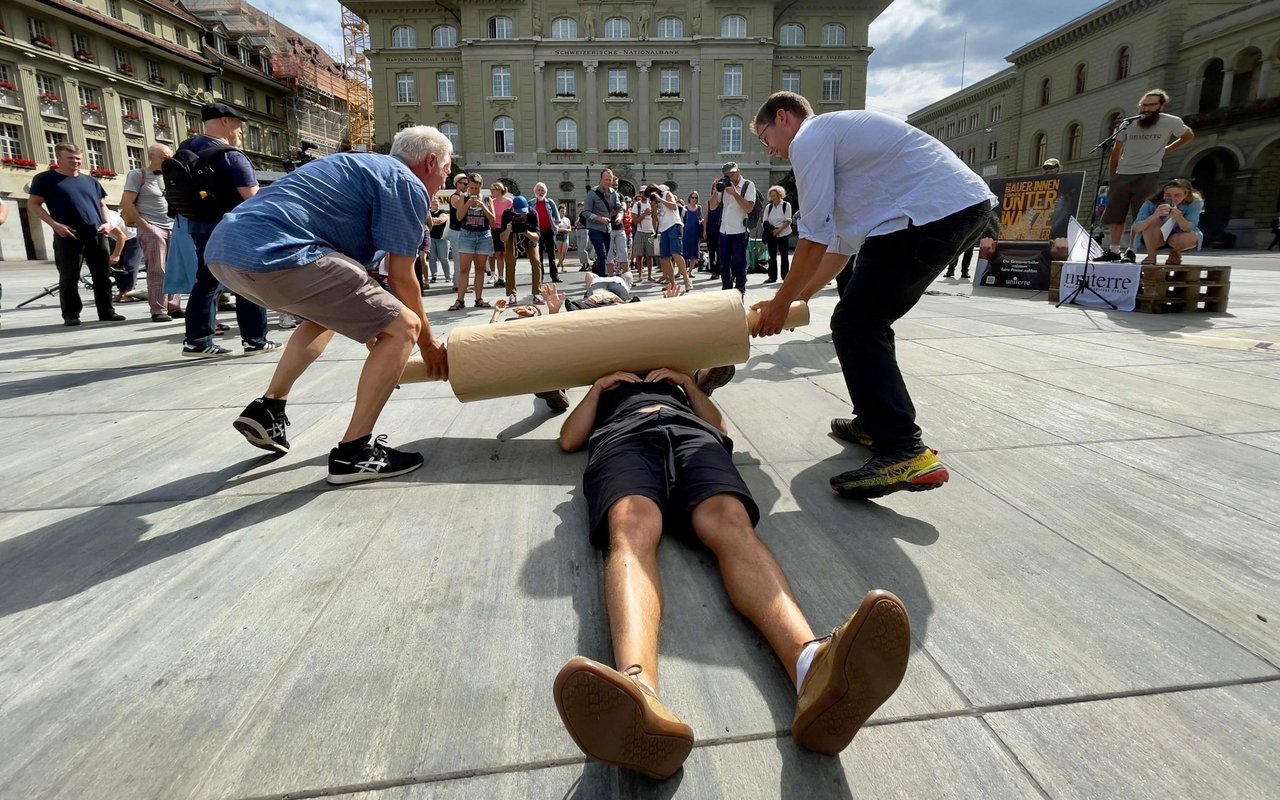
[(406, 88), (733, 26), (1039, 146), (1113, 119), (444, 36), (504, 135), (564, 28), (1122, 63), (1211, 79), (1046, 91), (566, 134), (791, 35), (617, 28), (670, 28), (669, 134), (619, 135), (731, 134), (834, 35), (1075, 140), (502, 28), (404, 36), (403, 125), (450, 130), (1082, 78)]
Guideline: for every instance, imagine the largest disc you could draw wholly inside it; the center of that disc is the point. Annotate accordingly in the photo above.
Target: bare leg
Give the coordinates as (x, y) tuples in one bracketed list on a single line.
[(752, 577), (684, 269), (480, 276), (632, 586), (304, 347), (1154, 240), (466, 265), (382, 371), (668, 277)]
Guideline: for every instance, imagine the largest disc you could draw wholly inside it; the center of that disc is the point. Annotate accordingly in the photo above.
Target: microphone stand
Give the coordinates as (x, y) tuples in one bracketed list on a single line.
[(1103, 149)]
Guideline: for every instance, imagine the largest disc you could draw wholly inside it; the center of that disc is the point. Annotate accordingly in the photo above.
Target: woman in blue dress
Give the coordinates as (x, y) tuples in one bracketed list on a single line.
[(1178, 202), (692, 232)]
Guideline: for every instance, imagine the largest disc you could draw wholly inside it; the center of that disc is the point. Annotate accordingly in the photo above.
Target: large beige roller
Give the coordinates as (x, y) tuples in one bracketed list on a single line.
[(558, 351)]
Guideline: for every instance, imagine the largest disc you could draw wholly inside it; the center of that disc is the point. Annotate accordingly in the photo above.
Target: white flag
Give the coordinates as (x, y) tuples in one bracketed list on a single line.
[(1082, 247)]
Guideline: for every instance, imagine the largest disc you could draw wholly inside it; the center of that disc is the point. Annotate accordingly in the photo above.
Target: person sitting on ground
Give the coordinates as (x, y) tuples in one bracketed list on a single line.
[(1177, 201), (659, 463)]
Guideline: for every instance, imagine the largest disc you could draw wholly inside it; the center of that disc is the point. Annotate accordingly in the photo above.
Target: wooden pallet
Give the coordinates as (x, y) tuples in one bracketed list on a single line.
[(1184, 291), (1148, 305), (1186, 273), (1171, 290)]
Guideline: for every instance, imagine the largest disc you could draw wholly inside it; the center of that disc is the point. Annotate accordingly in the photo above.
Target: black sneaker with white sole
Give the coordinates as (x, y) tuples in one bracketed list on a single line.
[(263, 423), (369, 460), (204, 351), (253, 349)]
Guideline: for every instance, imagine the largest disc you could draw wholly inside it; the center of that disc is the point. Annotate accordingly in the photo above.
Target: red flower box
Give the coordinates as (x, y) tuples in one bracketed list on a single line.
[(127, 69), (129, 116), (50, 97), (21, 163), (91, 107), (44, 41), (8, 87), (84, 55), (103, 173)]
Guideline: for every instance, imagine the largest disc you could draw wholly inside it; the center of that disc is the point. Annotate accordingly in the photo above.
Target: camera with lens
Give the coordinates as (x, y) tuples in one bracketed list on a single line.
[(722, 184), (520, 223), (653, 196)]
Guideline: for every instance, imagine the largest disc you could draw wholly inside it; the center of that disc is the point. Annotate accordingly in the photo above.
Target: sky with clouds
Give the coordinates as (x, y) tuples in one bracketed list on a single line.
[(919, 44)]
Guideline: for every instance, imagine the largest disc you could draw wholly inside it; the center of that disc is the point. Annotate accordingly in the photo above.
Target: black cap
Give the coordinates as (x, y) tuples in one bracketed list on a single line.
[(218, 111)]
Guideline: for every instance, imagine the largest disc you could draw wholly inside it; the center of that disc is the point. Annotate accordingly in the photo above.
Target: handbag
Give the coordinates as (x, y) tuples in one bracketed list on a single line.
[(180, 264)]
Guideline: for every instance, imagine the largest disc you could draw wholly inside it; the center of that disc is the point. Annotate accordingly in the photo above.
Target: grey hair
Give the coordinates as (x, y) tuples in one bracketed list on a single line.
[(539, 185), (419, 142), (158, 148)]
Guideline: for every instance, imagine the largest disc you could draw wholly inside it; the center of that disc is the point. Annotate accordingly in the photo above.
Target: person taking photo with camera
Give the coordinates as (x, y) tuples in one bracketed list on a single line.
[(520, 231)]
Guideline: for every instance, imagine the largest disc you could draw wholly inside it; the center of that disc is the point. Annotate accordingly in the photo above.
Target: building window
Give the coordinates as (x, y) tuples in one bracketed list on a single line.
[(994, 114), (1082, 75), (791, 35), (951, 129), (271, 106), (36, 28), (1040, 147), (450, 130), (406, 88), (194, 125), (669, 134), (669, 82), (404, 126), (80, 47), (564, 28), (255, 139), (617, 28), (153, 72), (1075, 139), (180, 37), (51, 140), (52, 103), (1122, 63), (95, 154), (733, 26), (113, 8), (444, 36), (619, 135), (227, 93), (122, 59), (502, 82), (1113, 122), (831, 86), (961, 125), (186, 79), (446, 87), (504, 135), (991, 150), (135, 157), (148, 23), (973, 155), (10, 141), (670, 28), (617, 82), (502, 28), (250, 99), (243, 53), (733, 80), (129, 107), (274, 138), (731, 134), (834, 35), (566, 134), (404, 36), (90, 98), (1046, 91), (566, 83), (791, 80)]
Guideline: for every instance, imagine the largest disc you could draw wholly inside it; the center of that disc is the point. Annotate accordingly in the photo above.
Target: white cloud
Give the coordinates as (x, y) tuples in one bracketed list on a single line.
[(318, 20)]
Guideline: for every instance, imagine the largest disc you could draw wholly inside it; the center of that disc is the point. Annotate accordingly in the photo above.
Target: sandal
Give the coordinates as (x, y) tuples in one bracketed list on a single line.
[(1149, 261), (1174, 259), (458, 305), (481, 303), (220, 329)]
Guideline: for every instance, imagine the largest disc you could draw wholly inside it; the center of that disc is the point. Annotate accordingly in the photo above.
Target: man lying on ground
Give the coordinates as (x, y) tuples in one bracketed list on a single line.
[(660, 463)]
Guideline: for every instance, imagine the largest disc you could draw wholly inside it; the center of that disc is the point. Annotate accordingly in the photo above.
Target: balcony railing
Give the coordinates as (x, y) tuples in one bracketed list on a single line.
[(1254, 111)]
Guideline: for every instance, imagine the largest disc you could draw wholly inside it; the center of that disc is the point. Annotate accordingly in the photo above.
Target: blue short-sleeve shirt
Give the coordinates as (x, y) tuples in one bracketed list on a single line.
[(74, 201), (351, 203)]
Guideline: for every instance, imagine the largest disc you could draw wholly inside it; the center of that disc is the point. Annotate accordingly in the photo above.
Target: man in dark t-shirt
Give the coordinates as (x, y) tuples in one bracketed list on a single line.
[(72, 204), (659, 462)]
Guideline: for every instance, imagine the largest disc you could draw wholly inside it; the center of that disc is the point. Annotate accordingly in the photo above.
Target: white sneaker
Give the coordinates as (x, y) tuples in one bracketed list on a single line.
[(288, 322)]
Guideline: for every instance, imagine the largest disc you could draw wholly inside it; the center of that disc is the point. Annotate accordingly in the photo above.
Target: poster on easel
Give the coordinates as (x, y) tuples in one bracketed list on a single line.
[(1035, 211)]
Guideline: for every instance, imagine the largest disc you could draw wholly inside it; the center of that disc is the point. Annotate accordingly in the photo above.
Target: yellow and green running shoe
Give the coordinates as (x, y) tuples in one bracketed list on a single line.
[(884, 475)]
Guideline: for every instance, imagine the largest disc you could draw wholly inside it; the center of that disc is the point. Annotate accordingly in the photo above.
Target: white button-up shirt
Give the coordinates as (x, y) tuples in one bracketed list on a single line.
[(863, 173)]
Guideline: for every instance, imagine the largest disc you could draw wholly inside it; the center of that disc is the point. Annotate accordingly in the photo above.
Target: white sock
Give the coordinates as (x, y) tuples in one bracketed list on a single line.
[(804, 662)]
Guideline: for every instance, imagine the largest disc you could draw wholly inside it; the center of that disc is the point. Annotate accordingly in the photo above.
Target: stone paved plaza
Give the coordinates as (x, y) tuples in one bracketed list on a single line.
[(1095, 595)]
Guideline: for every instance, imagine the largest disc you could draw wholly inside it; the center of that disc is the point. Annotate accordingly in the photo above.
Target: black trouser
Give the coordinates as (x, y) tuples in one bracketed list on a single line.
[(94, 250), (779, 247), (890, 275), (547, 249), (964, 264), (713, 250)]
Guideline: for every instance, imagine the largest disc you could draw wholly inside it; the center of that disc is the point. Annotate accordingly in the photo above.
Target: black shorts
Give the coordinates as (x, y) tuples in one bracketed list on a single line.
[(670, 458)]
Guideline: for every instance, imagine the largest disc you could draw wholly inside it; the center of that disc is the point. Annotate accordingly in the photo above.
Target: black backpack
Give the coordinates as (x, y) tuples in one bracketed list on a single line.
[(193, 186), (757, 211)]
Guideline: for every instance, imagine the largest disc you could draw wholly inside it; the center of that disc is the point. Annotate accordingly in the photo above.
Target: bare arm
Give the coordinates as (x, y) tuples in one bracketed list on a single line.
[(129, 210), (405, 286), (1181, 141), (119, 236), (577, 427), (698, 401), (1115, 157)]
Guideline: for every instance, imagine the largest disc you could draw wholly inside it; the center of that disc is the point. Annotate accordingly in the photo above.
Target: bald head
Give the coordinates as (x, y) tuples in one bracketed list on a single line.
[(156, 155)]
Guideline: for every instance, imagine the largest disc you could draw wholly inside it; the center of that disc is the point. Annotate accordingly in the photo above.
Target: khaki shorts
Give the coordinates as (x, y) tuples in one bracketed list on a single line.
[(333, 291), (642, 243), (1126, 196)]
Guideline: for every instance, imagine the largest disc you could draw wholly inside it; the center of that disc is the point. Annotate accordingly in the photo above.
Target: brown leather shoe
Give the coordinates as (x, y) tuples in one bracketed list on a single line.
[(857, 668), (614, 718)]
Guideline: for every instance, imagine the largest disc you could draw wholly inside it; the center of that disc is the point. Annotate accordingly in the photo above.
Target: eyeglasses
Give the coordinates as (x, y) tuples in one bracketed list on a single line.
[(760, 134)]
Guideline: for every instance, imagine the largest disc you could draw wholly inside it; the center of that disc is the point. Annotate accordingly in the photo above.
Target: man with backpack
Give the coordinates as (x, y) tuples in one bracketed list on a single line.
[(208, 177), (736, 198)]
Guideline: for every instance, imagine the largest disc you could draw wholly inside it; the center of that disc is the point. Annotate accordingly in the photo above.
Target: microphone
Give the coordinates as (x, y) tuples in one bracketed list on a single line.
[(1134, 118)]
